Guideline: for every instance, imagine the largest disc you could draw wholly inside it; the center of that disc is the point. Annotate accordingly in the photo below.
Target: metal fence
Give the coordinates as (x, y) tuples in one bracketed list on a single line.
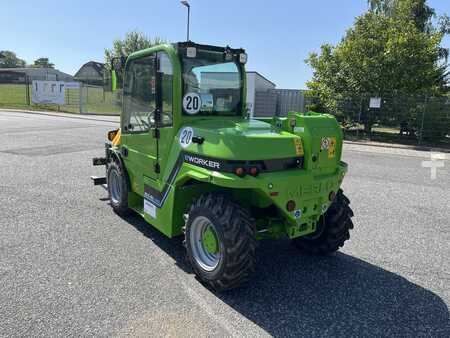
[(96, 100), (278, 102), (86, 99), (417, 120), (265, 103), (289, 100)]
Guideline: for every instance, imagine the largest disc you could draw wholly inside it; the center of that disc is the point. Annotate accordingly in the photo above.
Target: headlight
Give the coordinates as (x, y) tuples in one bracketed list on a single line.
[(243, 58), (191, 52)]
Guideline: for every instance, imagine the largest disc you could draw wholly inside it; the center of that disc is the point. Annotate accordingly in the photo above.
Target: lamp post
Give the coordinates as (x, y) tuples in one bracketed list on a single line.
[(186, 4)]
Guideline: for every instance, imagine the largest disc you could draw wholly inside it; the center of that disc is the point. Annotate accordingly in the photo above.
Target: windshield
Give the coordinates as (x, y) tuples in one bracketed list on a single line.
[(211, 85)]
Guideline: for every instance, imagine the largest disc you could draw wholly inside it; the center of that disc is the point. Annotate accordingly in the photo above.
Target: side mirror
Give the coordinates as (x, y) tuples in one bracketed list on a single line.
[(118, 63), (117, 67), (113, 80)]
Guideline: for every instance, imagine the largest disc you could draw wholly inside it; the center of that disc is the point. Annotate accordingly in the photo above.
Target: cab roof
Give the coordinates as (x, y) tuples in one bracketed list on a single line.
[(184, 45)]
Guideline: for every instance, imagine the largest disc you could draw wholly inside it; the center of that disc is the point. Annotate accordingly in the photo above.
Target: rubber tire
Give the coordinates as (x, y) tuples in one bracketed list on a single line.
[(336, 224), (235, 230), (120, 207)]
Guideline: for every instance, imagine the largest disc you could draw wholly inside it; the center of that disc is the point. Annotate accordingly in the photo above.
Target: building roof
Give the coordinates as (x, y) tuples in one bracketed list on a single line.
[(96, 66), (34, 70), (261, 76), (39, 72)]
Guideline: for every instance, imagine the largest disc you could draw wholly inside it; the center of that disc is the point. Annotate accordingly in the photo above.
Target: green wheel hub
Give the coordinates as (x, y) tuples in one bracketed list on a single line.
[(204, 243), (210, 241)]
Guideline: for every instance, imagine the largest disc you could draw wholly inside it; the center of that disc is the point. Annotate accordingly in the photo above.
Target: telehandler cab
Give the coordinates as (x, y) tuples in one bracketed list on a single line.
[(191, 162)]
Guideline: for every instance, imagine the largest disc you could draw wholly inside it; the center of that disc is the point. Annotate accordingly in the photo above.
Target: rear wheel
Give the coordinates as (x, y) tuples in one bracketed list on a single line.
[(220, 242), (333, 228), (117, 188)]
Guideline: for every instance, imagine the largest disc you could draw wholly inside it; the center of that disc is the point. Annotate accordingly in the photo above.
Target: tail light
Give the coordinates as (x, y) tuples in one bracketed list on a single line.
[(254, 171), (290, 205), (240, 171)]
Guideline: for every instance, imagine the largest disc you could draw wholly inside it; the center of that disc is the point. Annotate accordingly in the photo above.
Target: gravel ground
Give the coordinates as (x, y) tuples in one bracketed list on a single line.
[(70, 267)]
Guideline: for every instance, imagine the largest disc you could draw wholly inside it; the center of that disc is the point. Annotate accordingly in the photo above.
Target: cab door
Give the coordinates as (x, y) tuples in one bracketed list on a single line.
[(139, 105), (147, 95)]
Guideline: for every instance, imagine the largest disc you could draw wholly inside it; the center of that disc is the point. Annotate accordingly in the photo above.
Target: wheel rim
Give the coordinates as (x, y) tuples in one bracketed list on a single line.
[(204, 243), (114, 186)]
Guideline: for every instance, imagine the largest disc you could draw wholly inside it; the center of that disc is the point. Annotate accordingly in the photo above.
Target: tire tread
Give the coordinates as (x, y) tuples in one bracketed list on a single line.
[(239, 238), (337, 228)]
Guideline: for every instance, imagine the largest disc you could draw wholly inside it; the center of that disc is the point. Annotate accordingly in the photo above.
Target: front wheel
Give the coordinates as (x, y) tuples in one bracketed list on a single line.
[(220, 242), (117, 188), (333, 228)]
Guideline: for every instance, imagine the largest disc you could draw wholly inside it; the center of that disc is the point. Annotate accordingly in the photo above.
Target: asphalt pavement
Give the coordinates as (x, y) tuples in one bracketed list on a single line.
[(69, 266)]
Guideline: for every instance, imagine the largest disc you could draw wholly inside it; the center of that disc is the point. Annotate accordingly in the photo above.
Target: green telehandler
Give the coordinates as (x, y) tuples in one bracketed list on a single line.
[(188, 158)]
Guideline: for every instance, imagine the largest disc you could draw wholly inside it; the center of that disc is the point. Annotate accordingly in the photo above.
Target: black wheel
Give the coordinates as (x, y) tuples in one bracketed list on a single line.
[(117, 188), (333, 228), (220, 241)]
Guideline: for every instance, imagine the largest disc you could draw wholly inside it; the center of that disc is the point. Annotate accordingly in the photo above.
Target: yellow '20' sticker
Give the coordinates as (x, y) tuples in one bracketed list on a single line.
[(298, 146)]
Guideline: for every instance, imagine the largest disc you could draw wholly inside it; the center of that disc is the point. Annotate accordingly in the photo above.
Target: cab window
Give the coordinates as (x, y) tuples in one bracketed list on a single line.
[(139, 101), (165, 71)]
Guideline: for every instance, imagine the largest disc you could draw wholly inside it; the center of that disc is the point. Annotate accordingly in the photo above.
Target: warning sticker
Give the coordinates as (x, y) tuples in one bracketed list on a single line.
[(324, 143), (149, 208), (332, 147), (298, 146)]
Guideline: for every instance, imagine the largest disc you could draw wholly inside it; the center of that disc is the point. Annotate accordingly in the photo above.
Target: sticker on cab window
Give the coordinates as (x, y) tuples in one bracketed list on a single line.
[(192, 103), (207, 101)]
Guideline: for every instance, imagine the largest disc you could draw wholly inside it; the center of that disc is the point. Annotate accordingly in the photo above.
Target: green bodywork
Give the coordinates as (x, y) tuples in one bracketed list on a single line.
[(235, 138)]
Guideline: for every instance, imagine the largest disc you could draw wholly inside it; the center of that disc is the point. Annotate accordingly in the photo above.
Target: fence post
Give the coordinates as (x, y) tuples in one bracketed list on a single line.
[(56, 78), (359, 116), (423, 118), (80, 97), (27, 85)]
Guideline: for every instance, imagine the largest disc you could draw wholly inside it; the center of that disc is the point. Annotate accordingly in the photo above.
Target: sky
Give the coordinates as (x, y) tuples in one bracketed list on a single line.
[(277, 35)]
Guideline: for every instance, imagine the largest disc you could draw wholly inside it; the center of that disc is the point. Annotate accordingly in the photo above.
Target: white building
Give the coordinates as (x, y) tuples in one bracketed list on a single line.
[(256, 83)]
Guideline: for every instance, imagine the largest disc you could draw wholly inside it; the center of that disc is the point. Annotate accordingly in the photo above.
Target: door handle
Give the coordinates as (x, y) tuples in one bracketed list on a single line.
[(198, 139)]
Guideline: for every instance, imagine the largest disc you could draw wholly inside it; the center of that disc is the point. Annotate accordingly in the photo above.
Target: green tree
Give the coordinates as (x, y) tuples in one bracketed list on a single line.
[(388, 50), (42, 63), (416, 10), (9, 59), (385, 7), (132, 42)]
